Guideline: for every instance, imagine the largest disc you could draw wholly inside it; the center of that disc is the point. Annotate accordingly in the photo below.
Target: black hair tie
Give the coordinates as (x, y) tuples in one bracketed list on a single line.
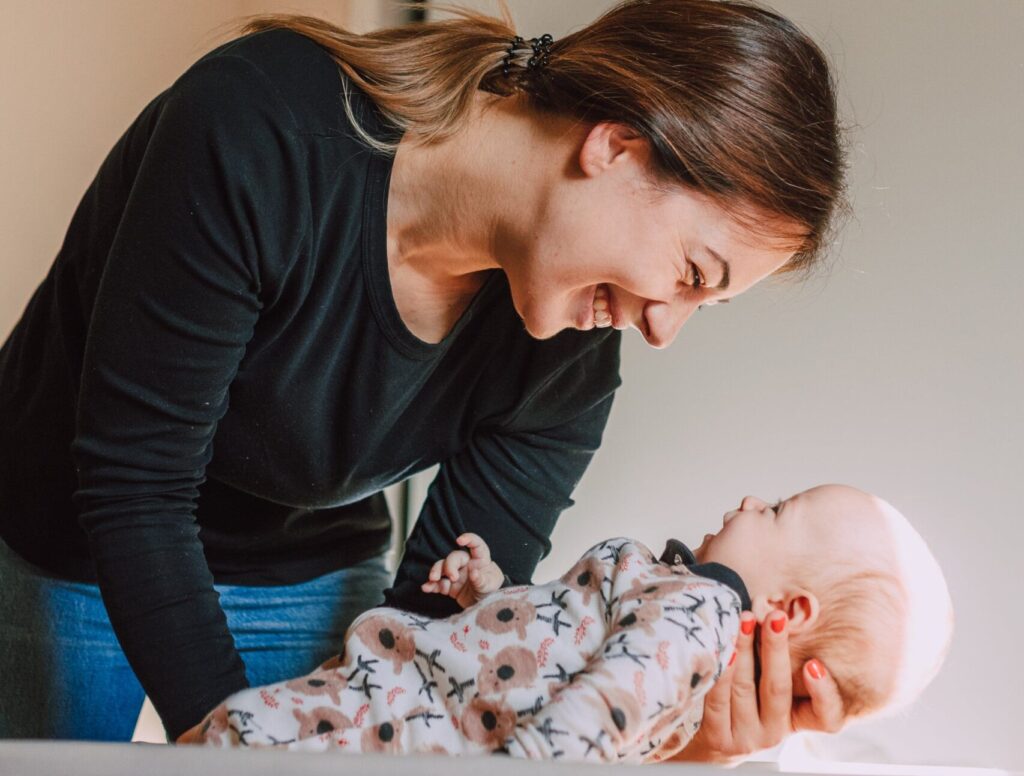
[(541, 49)]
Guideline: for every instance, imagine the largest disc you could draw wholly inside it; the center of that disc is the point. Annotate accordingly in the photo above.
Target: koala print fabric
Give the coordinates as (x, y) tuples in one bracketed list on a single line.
[(609, 663)]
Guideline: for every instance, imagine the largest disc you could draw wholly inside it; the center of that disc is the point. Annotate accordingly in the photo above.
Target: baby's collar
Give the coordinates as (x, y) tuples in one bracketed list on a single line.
[(676, 553)]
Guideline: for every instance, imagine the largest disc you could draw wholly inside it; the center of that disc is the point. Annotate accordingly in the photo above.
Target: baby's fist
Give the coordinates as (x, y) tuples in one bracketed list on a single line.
[(467, 575)]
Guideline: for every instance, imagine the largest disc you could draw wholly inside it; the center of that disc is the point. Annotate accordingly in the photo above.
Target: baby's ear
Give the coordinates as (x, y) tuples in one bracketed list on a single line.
[(802, 609)]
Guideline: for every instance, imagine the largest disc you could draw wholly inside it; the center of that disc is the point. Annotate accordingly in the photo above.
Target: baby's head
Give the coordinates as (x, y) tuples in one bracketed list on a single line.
[(862, 591)]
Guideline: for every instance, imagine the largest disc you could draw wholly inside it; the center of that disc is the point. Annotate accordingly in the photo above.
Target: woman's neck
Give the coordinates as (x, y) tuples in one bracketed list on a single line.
[(461, 207)]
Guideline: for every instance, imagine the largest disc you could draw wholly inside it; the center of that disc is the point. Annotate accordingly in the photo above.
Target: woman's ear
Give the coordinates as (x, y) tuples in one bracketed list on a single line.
[(606, 142)]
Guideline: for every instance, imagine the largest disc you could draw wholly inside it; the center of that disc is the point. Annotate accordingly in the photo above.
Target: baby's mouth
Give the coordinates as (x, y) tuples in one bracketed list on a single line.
[(602, 311)]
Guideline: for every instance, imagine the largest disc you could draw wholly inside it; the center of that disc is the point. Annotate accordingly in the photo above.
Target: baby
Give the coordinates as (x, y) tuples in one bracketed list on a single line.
[(612, 661)]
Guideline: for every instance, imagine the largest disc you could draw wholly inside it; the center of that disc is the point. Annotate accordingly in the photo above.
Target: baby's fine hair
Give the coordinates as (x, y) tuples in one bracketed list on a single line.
[(862, 615), (885, 623)]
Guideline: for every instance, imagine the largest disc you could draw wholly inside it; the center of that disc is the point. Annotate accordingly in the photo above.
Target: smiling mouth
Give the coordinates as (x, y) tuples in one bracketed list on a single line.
[(602, 307)]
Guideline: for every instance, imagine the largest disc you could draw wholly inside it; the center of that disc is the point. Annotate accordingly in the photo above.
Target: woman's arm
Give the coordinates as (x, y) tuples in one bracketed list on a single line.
[(217, 201), (514, 478)]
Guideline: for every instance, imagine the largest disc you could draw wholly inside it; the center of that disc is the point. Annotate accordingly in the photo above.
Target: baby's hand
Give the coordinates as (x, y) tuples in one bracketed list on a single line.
[(466, 575)]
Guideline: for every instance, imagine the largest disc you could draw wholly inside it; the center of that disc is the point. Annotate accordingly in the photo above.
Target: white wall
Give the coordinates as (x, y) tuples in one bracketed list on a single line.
[(901, 371)]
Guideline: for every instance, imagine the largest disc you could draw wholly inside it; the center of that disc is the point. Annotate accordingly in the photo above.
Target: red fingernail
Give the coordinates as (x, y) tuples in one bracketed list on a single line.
[(747, 626), (779, 623), (816, 669), (732, 659)]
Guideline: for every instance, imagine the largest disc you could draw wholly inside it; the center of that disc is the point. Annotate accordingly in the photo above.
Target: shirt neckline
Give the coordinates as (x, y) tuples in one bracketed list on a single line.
[(375, 262), (676, 553)]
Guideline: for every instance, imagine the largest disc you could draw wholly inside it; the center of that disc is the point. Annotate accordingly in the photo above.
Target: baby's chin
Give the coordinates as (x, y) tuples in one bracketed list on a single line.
[(701, 551)]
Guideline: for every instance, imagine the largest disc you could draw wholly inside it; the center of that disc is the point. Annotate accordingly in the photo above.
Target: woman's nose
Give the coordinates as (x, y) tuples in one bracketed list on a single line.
[(753, 503), (663, 320)]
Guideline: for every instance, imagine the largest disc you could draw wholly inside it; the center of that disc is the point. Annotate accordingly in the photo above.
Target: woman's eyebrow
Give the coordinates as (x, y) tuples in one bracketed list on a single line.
[(724, 282)]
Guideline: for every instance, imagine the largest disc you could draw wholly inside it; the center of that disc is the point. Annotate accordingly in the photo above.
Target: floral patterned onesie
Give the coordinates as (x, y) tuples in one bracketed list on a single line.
[(611, 662)]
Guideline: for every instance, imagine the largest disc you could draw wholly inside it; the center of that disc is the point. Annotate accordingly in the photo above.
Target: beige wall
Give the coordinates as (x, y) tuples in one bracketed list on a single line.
[(73, 76), (901, 370)]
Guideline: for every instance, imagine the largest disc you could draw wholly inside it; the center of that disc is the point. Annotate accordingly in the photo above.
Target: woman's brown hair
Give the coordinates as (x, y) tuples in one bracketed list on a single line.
[(736, 102)]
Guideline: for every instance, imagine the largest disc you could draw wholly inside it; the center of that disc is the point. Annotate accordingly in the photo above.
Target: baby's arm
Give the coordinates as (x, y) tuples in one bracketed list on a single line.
[(664, 650), (466, 575)]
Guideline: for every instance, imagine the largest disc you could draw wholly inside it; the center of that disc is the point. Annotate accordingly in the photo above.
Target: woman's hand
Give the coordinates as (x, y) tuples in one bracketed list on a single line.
[(466, 575), (741, 717)]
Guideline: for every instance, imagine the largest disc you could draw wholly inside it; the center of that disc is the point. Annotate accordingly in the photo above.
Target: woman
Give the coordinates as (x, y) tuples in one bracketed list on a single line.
[(276, 299)]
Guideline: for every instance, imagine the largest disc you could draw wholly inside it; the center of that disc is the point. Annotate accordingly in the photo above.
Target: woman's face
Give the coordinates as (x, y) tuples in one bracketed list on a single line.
[(654, 256)]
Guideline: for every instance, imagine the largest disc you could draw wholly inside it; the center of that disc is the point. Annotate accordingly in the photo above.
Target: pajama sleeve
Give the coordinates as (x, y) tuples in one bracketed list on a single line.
[(666, 646)]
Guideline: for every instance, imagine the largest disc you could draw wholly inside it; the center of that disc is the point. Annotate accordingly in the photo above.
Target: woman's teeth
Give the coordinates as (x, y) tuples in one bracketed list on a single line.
[(602, 315)]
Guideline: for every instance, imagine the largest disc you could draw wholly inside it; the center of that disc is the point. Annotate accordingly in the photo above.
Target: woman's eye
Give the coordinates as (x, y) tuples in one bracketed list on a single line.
[(698, 281)]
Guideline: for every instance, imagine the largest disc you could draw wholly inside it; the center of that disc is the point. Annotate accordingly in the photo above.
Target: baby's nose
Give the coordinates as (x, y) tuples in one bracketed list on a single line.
[(753, 503)]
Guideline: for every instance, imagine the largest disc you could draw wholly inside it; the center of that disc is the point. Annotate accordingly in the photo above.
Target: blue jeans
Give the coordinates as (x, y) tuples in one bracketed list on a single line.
[(63, 674)]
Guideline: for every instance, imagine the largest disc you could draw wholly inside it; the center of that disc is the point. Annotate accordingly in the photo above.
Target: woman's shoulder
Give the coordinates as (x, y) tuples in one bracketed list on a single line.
[(278, 67)]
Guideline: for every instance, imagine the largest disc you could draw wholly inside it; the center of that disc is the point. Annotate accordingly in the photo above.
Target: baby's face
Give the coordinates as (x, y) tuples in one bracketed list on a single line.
[(761, 541)]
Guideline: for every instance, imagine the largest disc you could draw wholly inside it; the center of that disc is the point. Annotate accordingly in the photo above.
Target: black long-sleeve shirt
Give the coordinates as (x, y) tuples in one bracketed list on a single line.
[(213, 381)]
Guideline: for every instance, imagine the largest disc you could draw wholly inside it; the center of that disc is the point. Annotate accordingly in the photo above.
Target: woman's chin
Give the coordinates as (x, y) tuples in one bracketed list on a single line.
[(541, 331), (546, 328)]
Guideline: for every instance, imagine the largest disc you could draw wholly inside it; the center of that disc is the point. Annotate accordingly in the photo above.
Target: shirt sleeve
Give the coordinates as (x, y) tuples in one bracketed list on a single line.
[(513, 481), (665, 648), (217, 208)]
